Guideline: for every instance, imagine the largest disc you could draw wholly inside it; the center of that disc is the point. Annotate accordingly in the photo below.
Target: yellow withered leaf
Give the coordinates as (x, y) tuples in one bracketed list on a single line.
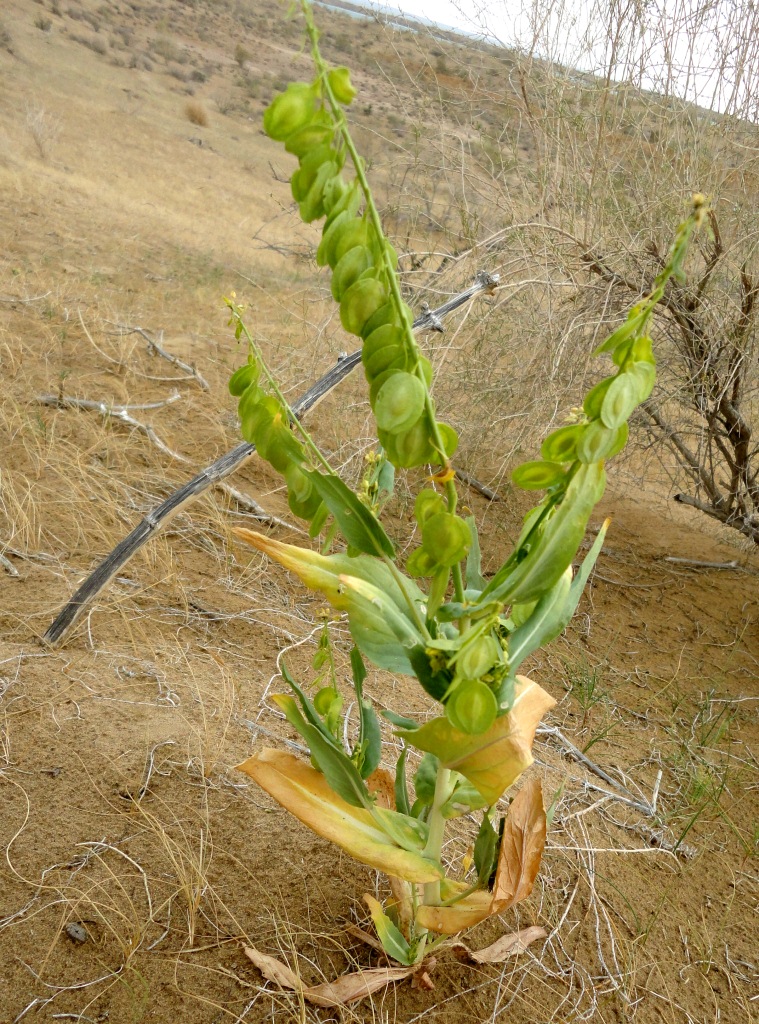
[(305, 793), (524, 837), (493, 760)]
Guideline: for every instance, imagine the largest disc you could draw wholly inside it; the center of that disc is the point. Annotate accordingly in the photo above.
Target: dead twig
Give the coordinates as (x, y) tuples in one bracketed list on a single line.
[(212, 476), (156, 348)]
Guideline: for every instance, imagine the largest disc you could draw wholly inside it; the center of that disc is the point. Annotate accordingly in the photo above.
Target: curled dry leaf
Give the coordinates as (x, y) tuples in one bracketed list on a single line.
[(524, 837), (501, 949), (330, 994)]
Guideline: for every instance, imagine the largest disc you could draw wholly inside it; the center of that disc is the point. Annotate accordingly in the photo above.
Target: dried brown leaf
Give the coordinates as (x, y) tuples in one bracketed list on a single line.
[(524, 837), (501, 949), (330, 994)]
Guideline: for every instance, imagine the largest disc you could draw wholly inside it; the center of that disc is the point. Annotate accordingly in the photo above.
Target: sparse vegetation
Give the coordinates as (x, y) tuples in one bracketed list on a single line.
[(196, 113)]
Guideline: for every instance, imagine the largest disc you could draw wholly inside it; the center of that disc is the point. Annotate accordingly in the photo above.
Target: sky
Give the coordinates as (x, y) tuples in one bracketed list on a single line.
[(706, 51)]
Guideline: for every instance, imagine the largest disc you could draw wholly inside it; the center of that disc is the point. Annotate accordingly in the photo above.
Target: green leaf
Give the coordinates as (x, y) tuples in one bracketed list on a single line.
[(338, 769), (464, 799), (425, 778), (474, 579), (393, 942), (401, 786), (309, 711), (636, 321), (399, 721), (370, 739), (358, 526), (486, 847)]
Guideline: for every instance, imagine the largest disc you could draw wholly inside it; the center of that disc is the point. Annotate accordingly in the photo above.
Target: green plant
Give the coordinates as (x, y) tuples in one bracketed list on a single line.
[(461, 637)]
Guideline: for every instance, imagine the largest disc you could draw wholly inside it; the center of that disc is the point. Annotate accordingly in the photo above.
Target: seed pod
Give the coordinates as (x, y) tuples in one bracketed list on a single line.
[(644, 373), (620, 400), (389, 357), (312, 207), (250, 397), (472, 707), (537, 476), (317, 132), (560, 446), (334, 191), (302, 498), (360, 301), (419, 563), (595, 397), (281, 448), (330, 234), (340, 83), (598, 442), (478, 658), (349, 270), (304, 177), (348, 201), (257, 418), (412, 448), (289, 111), (449, 437), (241, 379), (399, 402), (356, 232), (385, 315), (446, 538), (428, 503)]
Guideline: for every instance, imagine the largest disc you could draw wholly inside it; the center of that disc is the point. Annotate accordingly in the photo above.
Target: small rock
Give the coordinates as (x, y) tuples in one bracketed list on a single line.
[(76, 932)]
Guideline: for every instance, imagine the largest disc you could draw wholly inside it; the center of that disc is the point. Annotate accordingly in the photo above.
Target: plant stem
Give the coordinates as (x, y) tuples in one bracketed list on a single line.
[(436, 822)]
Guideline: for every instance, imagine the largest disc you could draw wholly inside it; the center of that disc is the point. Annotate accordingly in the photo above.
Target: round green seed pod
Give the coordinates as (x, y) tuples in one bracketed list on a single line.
[(304, 177), (349, 269), (317, 132), (330, 234), (449, 438), (348, 201), (478, 658), (620, 400), (385, 315), (415, 447), (356, 232), (289, 111), (282, 447), (595, 397), (389, 357), (599, 442), (428, 503), (340, 83), (312, 207), (334, 191), (258, 418), (250, 397), (241, 379), (419, 563), (446, 538), (561, 445), (360, 301), (472, 707), (399, 402), (536, 476)]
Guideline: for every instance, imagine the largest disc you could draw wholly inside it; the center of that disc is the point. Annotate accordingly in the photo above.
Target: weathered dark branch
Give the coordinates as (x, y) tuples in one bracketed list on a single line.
[(159, 517)]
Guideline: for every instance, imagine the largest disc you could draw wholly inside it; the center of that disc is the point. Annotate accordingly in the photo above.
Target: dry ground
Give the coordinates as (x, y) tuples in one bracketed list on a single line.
[(123, 821)]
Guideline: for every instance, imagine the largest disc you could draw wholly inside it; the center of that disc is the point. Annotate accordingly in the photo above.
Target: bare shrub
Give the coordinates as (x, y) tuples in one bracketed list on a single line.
[(44, 129), (6, 40), (196, 113), (43, 23), (94, 43)]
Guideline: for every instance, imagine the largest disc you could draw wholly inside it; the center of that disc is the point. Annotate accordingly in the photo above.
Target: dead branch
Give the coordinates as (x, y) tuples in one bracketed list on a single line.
[(157, 519), (156, 348)]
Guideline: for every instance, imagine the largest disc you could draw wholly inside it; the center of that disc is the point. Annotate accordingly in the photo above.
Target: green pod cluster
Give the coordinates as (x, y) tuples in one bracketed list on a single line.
[(446, 537), (607, 408), (264, 423), (362, 262)]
